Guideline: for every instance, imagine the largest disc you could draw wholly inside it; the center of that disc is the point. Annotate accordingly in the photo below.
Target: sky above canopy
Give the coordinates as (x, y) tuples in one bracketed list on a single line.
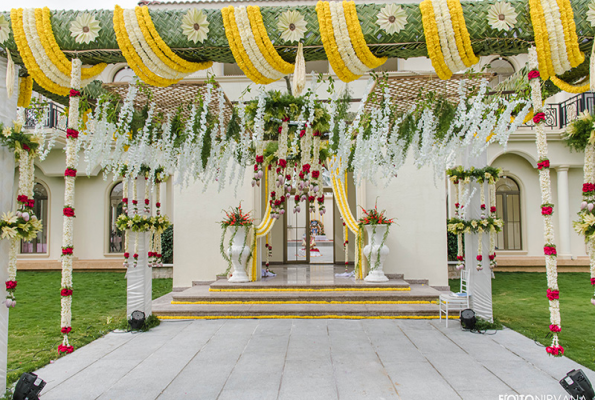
[(68, 4)]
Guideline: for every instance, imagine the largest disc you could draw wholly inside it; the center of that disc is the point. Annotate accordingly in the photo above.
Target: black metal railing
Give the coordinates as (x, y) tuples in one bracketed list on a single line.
[(560, 115), (50, 120)]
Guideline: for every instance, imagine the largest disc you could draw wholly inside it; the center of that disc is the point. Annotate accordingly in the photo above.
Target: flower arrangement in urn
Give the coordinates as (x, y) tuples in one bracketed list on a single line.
[(236, 252), (377, 227)]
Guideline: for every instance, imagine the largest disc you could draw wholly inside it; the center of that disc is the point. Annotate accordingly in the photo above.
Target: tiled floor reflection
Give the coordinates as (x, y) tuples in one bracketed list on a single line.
[(304, 274), (323, 255)]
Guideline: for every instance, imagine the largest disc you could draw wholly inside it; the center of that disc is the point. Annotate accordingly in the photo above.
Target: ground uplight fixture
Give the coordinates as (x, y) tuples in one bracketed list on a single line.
[(577, 385), (137, 319), (28, 387), (468, 319)]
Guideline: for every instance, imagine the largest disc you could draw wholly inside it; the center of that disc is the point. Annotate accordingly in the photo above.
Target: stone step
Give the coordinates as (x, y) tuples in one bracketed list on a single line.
[(331, 285), (182, 311), (202, 295)]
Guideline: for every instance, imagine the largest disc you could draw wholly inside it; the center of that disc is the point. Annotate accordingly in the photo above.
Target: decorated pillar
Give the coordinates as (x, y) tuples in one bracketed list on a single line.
[(69, 208), (8, 113), (563, 211), (477, 246), (138, 275), (543, 165)]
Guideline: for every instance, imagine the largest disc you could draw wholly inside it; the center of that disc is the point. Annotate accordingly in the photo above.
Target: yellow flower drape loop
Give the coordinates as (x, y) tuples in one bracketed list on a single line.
[(46, 34), (555, 37), (447, 39), (138, 52), (251, 47), (25, 90), (567, 87), (343, 40), (161, 49), (40, 52)]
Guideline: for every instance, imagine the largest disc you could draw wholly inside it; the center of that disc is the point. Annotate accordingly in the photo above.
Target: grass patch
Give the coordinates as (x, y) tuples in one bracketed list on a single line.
[(98, 306), (520, 303)]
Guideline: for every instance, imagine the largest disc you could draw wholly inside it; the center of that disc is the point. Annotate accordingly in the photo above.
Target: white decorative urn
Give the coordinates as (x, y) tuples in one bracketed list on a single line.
[(376, 252), (239, 252)]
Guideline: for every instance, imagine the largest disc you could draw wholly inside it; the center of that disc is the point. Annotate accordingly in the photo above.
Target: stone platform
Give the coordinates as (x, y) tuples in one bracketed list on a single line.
[(302, 292)]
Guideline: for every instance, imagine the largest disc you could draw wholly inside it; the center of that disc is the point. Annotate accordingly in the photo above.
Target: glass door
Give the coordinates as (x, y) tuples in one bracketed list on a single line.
[(322, 249), (297, 234)]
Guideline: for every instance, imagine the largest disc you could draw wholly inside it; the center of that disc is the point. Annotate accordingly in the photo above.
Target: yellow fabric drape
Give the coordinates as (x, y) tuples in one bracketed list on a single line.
[(264, 227), (343, 205)]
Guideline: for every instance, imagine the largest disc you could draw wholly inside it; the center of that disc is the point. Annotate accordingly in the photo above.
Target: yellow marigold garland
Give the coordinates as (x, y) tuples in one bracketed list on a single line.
[(575, 56), (264, 42), (237, 49), (133, 59), (544, 57), (461, 33), (567, 87), (16, 16), (327, 35), (55, 54), (432, 40), (161, 49), (25, 89), (357, 37)]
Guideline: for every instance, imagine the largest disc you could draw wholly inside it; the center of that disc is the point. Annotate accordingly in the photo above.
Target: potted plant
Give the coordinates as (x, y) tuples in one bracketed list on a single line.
[(237, 252), (377, 227)]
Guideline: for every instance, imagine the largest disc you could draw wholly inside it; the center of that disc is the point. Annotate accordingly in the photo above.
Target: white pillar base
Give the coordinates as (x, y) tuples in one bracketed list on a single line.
[(239, 277), (376, 276)]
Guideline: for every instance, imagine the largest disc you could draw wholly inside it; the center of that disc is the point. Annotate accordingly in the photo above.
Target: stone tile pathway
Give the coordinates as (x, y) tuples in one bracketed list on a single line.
[(306, 359)]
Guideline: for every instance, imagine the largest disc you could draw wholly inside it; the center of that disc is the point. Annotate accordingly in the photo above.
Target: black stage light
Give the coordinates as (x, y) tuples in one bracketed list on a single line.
[(137, 319), (577, 385), (28, 387), (468, 319)]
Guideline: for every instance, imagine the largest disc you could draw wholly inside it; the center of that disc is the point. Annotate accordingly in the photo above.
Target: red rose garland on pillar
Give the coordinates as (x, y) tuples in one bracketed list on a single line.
[(549, 249), (68, 210)]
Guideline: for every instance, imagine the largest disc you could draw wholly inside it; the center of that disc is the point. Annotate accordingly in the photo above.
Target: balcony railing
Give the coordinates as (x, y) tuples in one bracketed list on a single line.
[(560, 115), (50, 120)]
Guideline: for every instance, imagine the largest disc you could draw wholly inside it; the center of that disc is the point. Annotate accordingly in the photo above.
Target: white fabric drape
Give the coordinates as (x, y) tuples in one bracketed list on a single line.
[(480, 285), (8, 113)]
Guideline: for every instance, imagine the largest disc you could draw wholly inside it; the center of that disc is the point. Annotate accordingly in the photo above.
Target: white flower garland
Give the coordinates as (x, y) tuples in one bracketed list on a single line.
[(343, 40), (480, 250), (67, 236), (440, 23), (450, 35), (545, 185), (555, 32), (252, 49)]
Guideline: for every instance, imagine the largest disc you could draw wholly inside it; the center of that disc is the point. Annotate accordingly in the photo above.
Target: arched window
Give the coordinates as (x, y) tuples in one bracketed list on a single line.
[(508, 203), (124, 75), (39, 245), (503, 70), (116, 208)]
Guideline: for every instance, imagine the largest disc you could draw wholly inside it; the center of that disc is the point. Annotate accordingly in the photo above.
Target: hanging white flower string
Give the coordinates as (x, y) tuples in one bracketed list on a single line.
[(553, 292), (69, 178), (480, 249)]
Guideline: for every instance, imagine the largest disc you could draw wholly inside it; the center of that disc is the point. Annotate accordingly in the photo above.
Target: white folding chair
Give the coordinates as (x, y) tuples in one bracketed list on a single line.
[(456, 301)]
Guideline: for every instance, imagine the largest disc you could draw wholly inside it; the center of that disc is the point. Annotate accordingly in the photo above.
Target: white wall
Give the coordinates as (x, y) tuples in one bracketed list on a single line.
[(417, 241), (197, 231)]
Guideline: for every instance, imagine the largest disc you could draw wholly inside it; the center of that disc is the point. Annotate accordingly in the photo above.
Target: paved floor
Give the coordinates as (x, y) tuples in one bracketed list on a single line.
[(306, 359)]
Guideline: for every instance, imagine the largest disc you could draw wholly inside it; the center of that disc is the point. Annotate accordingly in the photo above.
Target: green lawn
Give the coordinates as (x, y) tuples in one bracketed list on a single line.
[(98, 306), (520, 303)]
